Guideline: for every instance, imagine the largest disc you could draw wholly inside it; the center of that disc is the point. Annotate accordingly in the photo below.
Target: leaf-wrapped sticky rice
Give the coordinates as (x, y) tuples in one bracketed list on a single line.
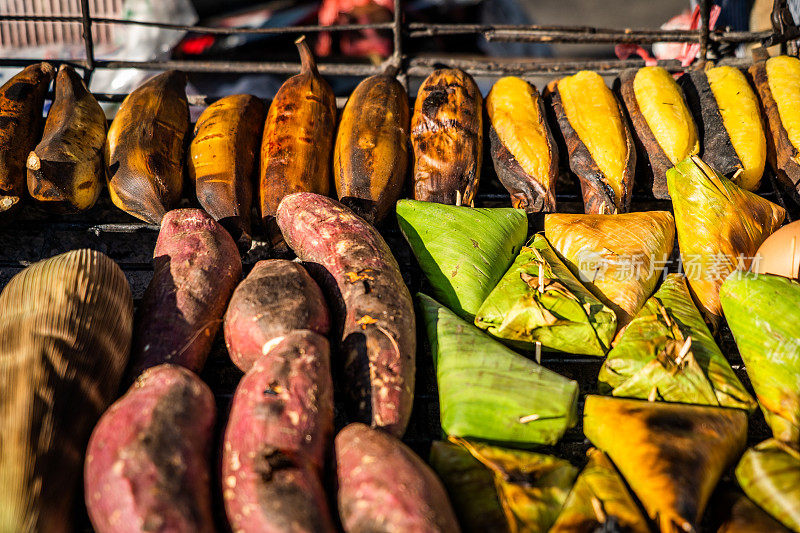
[(720, 227), (489, 392), (65, 334), (668, 353), (762, 312), (463, 251), (521, 491), (539, 299), (736, 513)]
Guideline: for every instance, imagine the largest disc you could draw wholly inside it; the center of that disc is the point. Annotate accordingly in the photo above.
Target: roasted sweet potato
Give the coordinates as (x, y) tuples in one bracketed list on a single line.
[(600, 145), (196, 268), (298, 139), (524, 152), (378, 335), (370, 158), (144, 147), (447, 138), (384, 486), (21, 103), (276, 298), (148, 461), (222, 161), (277, 437)]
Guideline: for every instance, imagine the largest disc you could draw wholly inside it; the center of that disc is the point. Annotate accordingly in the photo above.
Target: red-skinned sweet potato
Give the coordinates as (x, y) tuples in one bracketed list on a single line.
[(197, 267), (384, 486), (277, 437), (277, 297), (378, 329), (148, 461)]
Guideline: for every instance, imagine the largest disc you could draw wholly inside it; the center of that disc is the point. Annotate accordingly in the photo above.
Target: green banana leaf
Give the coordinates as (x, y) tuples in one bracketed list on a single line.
[(720, 225), (489, 392), (463, 251), (600, 496), (539, 299), (529, 488), (764, 316), (769, 474), (668, 353)]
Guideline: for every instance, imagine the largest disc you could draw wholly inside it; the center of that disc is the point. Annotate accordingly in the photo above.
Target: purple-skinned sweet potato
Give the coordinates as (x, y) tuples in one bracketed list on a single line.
[(377, 314), (148, 461), (277, 297), (197, 267), (277, 437), (384, 486)]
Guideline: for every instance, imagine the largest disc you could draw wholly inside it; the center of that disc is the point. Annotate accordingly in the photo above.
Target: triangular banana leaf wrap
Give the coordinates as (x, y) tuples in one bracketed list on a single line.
[(618, 257), (764, 315), (539, 299), (667, 353), (463, 251), (599, 497), (736, 513), (720, 227), (489, 392), (769, 473), (528, 488)]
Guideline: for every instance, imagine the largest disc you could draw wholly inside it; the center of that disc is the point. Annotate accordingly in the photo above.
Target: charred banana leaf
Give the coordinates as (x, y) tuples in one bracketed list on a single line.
[(447, 138), (144, 147), (736, 513), (66, 169)]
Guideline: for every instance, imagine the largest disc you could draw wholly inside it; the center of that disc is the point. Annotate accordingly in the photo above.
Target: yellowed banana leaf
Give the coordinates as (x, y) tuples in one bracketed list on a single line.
[(539, 299), (618, 257), (667, 353), (600, 498), (720, 227), (769, 474), (736, 513), (671, 455)]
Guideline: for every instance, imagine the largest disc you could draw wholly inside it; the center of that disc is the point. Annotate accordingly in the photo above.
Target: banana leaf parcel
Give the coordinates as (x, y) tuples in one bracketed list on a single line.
[(463, 251), (769, 474), (720, 227), (618, 257), (667, 353), (520, 491), (600, 497), (671, 455), (764, 316), (489, 392), (539, 299), (736, 513)]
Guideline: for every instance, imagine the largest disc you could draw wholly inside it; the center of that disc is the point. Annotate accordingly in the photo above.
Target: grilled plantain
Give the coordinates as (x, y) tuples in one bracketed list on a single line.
[(66, 168), (21, 103), (523, 149), (447, 138), (222, 158), (600, 145), (298, 139), (371, 154), (144, 148)]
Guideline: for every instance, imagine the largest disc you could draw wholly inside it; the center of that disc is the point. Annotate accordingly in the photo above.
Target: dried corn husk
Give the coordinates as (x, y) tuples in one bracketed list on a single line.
[(462, 251), (600, 497), (720, 227), (671, 455), (487, 391), (65, 333), (618, 257), (540, 300), (769, 474), (763, 315), (668, 353)]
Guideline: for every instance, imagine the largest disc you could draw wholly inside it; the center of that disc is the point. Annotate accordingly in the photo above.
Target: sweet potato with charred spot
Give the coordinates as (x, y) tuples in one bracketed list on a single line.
[(385, 487), (277, 297), (276, 440), (378, 335), (196, 268), (148, 461)]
